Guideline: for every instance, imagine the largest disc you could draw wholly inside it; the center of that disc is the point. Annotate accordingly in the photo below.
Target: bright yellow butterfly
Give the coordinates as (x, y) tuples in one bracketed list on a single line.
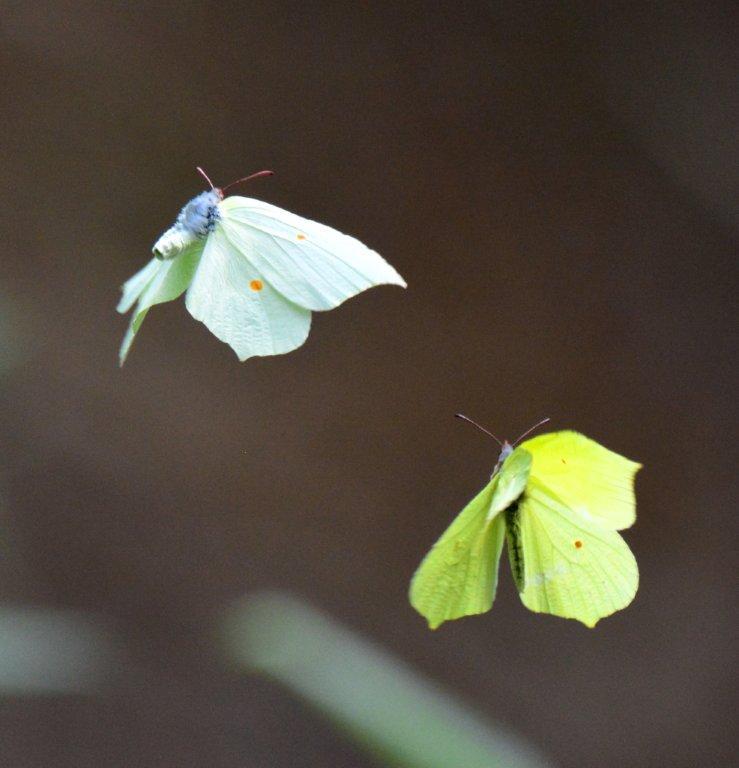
[(559, 500)]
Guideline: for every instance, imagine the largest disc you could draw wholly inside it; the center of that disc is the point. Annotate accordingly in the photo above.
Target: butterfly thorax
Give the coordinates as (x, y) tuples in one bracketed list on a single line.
[(196, 220), (200, 215), (505, 451)]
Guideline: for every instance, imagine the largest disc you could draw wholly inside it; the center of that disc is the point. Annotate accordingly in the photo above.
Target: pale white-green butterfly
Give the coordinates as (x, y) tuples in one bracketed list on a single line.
[(253, 272), (558, 500)]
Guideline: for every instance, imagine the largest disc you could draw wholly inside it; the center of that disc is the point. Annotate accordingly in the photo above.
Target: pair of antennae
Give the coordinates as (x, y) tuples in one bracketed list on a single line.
[(487, 432), (257, 175)]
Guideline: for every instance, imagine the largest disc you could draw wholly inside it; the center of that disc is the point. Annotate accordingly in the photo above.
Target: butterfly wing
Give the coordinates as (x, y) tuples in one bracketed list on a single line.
[(310, 264), (239, 306), (158, 282), (595, 482), (134, 286), (565, 565), (459, 575)]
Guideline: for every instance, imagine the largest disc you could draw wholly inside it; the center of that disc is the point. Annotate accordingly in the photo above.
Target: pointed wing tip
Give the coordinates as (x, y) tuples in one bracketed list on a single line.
[(123, 353), (432, 623), (435, 623), (590, 624), (397, 278), (433, 626), (394, 279), (126, 344)]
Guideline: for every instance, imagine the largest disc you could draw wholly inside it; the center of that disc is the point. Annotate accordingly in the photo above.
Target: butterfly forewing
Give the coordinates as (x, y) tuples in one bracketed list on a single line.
[(312, 265), (593, 481)]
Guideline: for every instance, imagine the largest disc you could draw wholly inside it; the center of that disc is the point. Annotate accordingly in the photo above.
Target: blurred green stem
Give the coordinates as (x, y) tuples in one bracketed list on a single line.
[(381, 703)]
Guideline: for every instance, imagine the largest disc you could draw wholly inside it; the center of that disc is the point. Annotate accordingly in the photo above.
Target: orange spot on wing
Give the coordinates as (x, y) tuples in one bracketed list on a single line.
[(256, 285), (301, 237), (563, 461), (578, 544)]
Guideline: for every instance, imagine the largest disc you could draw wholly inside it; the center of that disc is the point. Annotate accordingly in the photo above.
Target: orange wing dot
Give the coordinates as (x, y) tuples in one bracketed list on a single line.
[(256, 285), (578, 544), (563, 461), (301, 237)]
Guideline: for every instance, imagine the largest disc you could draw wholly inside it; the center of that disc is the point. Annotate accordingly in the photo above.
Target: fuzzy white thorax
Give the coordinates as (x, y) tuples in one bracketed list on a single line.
[(195, 221)]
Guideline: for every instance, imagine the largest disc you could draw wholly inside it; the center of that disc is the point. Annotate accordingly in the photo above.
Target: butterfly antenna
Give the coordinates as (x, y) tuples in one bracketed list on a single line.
[(530, 429), (205, 176), (257, 175), (475, 424)]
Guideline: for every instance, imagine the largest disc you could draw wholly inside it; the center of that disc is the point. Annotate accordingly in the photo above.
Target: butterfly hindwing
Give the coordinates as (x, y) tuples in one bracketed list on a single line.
[(564, 564), (239, 306), (312, 265)]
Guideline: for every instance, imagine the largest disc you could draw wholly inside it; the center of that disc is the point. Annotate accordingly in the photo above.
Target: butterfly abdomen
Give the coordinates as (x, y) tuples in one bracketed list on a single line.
[(515, 547), (196, 220)]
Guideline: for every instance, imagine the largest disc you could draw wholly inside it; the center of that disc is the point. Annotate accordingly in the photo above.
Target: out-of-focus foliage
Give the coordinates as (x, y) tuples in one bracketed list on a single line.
[(379, 701), (51, 652)]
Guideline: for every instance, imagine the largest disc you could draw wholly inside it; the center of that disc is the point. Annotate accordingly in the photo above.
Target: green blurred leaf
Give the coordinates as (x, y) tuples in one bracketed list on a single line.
[(46, 651), (380, 702)]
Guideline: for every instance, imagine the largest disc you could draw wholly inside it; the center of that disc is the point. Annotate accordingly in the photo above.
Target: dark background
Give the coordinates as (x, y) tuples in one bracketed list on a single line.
[(556, 185)]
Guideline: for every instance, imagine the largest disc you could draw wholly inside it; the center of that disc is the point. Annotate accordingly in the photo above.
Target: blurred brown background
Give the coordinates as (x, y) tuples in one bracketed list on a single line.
[(558, 188)]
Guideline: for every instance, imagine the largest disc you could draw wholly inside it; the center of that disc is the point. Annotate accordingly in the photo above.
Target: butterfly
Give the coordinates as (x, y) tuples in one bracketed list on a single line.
[(558, 500), (253, 272)]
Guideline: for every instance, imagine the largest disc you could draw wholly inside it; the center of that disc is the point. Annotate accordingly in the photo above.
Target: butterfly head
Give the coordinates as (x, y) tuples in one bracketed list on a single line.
[(506, 448)]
